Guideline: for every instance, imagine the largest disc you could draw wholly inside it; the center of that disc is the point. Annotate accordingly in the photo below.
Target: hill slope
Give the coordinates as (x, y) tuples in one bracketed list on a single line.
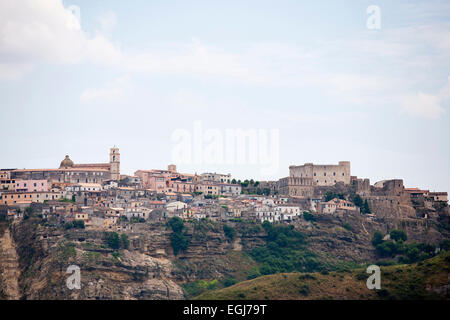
[(426, 280)]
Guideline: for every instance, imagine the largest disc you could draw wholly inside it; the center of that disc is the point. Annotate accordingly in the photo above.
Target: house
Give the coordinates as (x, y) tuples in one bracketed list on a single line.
[(288, 213), (336, 206), (439, 196), (175, 205)]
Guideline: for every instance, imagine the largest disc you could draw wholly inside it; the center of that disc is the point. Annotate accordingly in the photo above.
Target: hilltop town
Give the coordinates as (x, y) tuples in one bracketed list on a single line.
[(99, 196), (159, 233)]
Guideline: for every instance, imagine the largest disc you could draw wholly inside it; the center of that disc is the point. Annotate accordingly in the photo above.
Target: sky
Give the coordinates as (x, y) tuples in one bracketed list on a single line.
[(80, 76)]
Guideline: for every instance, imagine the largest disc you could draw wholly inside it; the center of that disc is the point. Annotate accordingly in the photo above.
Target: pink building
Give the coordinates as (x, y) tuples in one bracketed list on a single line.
[(31, 185), (163, 181)]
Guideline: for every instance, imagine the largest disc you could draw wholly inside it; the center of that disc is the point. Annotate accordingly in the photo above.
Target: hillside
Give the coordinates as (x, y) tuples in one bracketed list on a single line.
[(425, 280)]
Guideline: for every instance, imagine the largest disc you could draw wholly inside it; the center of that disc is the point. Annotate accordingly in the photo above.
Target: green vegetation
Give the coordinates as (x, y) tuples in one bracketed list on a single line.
[(331, 195), (399, 282), (285, 251), (227, 282), (178, 240), (124, 241), (137, 220), (347, 226), (358, 201), (114, 241), (365, 208), (377, 238), (67, 251), (211, 196), (398, 235), (445, 245), (193, 289), (308, 216), (396, 247), (362, 204), (75, 224), (230, 233)]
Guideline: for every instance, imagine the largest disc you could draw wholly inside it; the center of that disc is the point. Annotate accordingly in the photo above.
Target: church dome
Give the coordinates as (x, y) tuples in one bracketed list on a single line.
[(66, 163)]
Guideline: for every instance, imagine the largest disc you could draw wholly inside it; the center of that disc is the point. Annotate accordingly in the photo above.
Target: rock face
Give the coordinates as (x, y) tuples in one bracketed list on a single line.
[(43, 257), (9, 266), (35, 256)]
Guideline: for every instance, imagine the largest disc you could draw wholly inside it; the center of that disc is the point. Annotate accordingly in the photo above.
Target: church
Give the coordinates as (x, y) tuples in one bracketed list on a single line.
[(70, 172)]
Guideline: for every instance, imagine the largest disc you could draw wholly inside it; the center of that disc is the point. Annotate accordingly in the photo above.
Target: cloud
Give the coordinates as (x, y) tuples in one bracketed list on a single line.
[(426, 105), (33, 32), (112, 91), (354, 71), (107, 21)]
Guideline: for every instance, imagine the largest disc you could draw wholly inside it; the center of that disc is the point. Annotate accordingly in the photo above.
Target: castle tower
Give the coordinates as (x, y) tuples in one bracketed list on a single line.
[(114, 160)]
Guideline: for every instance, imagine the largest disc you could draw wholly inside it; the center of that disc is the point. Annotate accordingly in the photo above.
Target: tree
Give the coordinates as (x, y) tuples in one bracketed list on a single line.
[(366, 208), (78, 224), (398, 235), (358, 201), (229, 231), (233, 181), (124, 241), (445, 245), (228, 282), (176, 224), (179, 242), (308, 216), (377, 238), (386, 249), (112, 239)]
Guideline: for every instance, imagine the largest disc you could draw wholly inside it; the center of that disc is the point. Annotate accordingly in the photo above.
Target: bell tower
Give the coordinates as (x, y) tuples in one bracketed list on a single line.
[(114, 160)]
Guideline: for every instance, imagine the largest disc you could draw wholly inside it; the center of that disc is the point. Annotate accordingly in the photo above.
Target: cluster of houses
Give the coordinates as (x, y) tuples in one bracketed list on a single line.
[(101, 197)]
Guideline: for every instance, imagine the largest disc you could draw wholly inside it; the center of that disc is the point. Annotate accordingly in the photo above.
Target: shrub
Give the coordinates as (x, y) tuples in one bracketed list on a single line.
[(112, 240), (124, 241), (179, 242), (306, 276), (358, 201), (365, 208), (397, 235), (386, 249), (228, 282), (308, 216), (229, 231), (176, 224), (253, 274), (304, 290), (445, 245), (347, 226), (377, 238)]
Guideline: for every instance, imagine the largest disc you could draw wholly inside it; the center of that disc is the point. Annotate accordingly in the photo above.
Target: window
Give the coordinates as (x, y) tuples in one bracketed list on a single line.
[(314, 174), (324, 174)]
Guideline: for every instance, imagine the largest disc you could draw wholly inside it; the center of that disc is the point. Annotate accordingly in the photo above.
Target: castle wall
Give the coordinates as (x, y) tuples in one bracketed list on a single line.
[(323, 175)]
